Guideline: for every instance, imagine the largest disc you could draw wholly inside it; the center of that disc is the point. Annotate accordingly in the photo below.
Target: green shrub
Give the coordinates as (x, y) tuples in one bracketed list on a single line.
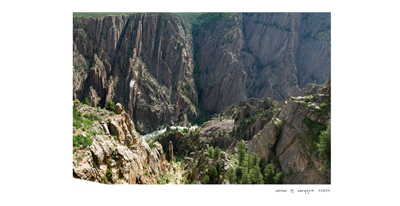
[(210, 151), (79, 140), (93, 133), (77, 118), (88, 123), (88, 116), (206, 180), (77, 101), (278, 179), (87, 101), (110, 105), (217, 152)]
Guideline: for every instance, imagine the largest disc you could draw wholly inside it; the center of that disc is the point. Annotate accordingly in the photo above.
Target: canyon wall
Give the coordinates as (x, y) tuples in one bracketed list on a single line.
[(144, 61)]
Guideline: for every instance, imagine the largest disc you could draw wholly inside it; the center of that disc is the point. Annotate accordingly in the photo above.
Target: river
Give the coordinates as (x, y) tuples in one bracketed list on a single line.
[(158, 132)]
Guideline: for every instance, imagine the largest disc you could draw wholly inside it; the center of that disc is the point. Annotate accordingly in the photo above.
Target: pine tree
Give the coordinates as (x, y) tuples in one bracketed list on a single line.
[(324, 145), (249, 165), (278, 179), (213, 175), (269, 174), (254, 161), (245, 163), (246, 178), (241, 152), (206, 180), (256, 176), (231, 175)]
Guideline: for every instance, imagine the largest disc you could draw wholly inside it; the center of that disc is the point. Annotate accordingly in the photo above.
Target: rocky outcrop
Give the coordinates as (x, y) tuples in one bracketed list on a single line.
[(250, 116), (285, 141), (217, 133), (120, 157), (262, 144), (199, 164), (143, 61)]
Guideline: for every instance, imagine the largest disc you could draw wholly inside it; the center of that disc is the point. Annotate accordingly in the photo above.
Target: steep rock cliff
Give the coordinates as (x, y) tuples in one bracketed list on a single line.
[(222, 78), (260, 55), (130, 59)]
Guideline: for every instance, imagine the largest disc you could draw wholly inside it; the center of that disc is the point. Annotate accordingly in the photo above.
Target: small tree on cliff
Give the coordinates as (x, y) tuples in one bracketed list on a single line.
[(324, 145), (110, 105), (87, 101), (217, 152), (210, 151)]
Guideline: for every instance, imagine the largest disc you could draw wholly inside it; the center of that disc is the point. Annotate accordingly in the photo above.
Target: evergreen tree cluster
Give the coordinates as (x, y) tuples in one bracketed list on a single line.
[(249, 170)]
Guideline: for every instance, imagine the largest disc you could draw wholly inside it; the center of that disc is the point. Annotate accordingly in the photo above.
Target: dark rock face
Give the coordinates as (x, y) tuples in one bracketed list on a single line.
[(143, 61), (271, 42), (313, 56), (222, 76), (262, 54)]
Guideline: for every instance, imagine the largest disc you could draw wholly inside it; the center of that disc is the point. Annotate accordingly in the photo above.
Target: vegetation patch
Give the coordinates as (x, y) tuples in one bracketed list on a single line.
[(77, 118), (80, 140), (207, 21), (248, 169), (110, 105)]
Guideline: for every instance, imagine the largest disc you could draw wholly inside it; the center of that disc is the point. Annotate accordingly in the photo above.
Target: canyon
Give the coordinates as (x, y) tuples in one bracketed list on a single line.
[(227, 79)]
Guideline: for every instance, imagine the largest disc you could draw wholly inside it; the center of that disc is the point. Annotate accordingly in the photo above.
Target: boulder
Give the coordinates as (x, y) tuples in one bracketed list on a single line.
[(101, 148), (119, 108)]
